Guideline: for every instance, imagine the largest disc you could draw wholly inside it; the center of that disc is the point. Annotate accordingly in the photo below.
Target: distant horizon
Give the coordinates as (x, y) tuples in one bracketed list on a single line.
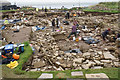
[(57, 4), (58, 1)]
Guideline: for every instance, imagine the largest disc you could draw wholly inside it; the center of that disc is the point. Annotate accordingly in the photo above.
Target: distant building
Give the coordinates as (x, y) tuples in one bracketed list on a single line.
[(62, 7), (5, 5)]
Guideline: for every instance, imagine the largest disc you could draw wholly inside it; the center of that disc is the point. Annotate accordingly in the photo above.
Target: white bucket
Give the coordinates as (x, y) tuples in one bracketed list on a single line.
[(73, 38)]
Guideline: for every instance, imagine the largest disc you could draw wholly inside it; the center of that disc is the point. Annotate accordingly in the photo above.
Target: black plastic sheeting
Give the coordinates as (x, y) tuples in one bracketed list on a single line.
[(74, 51), (90, 40)]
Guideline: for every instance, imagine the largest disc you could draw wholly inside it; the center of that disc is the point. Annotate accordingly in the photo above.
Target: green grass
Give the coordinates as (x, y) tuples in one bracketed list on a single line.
[(7, 10), (91, 10), (111, 72), (23, 58), (0, 42), (113, 6), (17, 10), (28, 9)]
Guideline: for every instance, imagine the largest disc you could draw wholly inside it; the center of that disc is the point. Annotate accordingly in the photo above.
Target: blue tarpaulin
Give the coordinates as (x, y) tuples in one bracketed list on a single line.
[(15, 21), (90, 40), (3, 27), (38, 28), (10, 21)]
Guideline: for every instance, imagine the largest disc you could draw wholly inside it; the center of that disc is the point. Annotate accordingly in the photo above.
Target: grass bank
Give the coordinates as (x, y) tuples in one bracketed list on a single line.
[(23, 58), (109, 7)]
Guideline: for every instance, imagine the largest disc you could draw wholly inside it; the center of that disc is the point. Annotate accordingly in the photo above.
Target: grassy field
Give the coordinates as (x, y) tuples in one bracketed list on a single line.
[(17, 10), (7, 10), (19, 73), (112, 11), (112, 6)]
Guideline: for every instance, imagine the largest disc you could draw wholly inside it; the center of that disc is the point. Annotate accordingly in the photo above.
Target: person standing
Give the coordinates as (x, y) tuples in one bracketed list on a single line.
[(42, 9), (67, 15), (76, 22), (53, 25), (45, 9), (57, 22), (74, 30), (118, 35)]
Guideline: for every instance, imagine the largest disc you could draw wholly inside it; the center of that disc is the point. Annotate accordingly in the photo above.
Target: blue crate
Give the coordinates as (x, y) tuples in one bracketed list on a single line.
[(9, 48)]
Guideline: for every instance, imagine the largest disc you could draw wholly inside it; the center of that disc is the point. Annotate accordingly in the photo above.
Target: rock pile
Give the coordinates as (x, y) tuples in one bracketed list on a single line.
[(50, 57)]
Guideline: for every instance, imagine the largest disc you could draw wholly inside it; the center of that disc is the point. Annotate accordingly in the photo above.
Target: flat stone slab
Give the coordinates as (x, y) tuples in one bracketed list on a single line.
[(45, 76), (97, 67), (107, 55), (77, 73), (98, 76), (38, 64), (33, 69)]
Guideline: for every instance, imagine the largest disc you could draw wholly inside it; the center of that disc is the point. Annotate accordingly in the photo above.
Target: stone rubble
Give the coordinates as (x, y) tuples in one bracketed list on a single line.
[(51, 46), (47, 43)]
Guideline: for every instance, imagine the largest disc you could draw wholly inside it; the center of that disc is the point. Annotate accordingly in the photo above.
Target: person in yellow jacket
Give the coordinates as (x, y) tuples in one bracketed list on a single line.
[(6, 22)]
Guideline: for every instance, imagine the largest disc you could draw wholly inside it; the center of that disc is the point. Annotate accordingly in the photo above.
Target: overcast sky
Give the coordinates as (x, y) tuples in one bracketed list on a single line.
[(58, 1)]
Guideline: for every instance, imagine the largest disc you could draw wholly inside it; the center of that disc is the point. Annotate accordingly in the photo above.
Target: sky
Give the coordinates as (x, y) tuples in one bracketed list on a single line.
[(57, 1)]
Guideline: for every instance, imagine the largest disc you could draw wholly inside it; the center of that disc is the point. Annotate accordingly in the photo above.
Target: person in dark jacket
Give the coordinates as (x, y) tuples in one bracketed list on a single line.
[(45, 9), (53, 24), (118, 35), (57, 22), (74, 30), (105, 33), (67, 15)]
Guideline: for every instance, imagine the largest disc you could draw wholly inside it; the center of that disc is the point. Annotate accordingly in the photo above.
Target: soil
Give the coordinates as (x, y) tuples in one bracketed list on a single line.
[(17, 37)]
